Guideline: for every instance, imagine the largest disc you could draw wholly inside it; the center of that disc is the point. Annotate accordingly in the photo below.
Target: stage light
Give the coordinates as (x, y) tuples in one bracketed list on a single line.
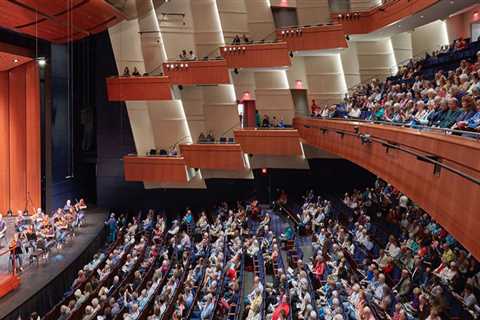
[(42, 62), (264, 171)]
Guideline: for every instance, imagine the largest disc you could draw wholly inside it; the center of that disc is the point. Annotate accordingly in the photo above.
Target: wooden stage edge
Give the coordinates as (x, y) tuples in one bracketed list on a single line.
[(8, 283)]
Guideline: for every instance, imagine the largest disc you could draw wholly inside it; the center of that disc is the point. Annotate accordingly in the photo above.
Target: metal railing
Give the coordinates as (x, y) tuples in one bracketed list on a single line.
[(421, 128)]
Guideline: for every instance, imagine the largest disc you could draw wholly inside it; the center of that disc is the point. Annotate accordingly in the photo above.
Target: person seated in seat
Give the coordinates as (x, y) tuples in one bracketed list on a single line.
[(135, 72)]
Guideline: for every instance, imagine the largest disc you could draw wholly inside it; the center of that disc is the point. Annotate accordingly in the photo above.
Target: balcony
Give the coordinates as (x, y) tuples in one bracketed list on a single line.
[(269, 142), (138, 88), (309, 38), (155, 169), (214, 156), (201, 72), (379, 17), (439, 172), (258, 55)]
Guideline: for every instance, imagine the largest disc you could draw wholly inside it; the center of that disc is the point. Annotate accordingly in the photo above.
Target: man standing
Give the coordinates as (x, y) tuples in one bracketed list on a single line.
[(111, 228)]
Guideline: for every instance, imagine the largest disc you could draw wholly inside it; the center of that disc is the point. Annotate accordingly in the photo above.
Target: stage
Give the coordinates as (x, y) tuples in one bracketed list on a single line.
[(52, 275)]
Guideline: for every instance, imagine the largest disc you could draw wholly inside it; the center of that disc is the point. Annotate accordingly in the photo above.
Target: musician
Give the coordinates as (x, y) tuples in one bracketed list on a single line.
[(15, 248), (3, 231), (67, 206), (80, 208)]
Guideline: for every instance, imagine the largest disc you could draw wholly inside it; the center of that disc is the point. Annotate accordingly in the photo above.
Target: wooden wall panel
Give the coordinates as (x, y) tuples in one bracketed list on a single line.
[(155, 169), (269, 55), (376, 18), (18, 154), (4, 144), (269, 142), (33, 138), (313, 38), (138, 88), (213, 156), (450, 199), (197, 72)]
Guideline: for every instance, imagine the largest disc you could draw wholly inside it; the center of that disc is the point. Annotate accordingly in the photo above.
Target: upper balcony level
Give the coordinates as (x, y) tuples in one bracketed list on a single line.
[(439, 172), (138, 88), (307, 38), (270, 142), (257, 55), (378, 17), (192, 72)]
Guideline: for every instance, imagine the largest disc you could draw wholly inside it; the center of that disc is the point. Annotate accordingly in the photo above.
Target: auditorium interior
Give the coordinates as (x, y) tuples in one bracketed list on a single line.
[(239, 159)]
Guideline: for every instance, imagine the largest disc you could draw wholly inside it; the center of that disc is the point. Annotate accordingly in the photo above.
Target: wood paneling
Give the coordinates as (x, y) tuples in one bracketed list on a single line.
[(138, 88), (368, 21), (20, 138), (313, 38), (213, 156), (197, 72), (58, 20), (269, 142), (449, 198), (33, 138), (155, 169), (18, 151), (4, 144), (268, 55)]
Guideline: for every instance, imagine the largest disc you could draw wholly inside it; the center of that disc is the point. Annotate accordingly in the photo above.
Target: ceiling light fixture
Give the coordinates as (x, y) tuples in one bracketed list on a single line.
[(15, 60)]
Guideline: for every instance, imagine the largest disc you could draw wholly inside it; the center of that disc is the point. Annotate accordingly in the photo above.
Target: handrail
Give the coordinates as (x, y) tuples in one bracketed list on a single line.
[(445, 131), (408, 151)]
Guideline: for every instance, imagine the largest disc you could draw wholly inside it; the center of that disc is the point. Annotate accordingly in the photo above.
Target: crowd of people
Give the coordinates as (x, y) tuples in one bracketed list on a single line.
[(268, 122), (236, 40), (37, 233), (440, 90), (371, 255), (378, 256), (190, 55)]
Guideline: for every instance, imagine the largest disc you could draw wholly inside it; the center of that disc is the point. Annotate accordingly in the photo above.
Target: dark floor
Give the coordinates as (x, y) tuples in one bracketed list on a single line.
[(35, 277)]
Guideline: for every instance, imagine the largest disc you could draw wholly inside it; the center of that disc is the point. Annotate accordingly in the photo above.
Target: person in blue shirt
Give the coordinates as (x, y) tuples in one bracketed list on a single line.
[(208, 308), (111, 224)]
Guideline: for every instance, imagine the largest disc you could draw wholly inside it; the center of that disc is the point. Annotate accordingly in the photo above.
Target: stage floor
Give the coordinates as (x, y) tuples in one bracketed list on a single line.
[(36, 276)]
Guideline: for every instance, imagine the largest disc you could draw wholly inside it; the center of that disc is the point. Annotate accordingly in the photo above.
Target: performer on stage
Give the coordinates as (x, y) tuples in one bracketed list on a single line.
[(3, 231)]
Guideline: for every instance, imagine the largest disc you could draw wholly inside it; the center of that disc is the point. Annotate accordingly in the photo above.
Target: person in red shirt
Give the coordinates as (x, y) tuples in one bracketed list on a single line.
[(319, 268), (314, 107), (282, 310)]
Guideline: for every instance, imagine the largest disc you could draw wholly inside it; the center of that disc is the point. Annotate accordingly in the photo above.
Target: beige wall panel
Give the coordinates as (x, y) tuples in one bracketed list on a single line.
[(141, 126), (192, 100), (429, 37), (260, 20), (177, 32), (234, 18), (297, 71), (221, 119), (126, 45), (311, 12), (207, 26), (271, 80), (376, 59), (402, 47), (351, 68), (169, 123), (364, 5), (242, 82)]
